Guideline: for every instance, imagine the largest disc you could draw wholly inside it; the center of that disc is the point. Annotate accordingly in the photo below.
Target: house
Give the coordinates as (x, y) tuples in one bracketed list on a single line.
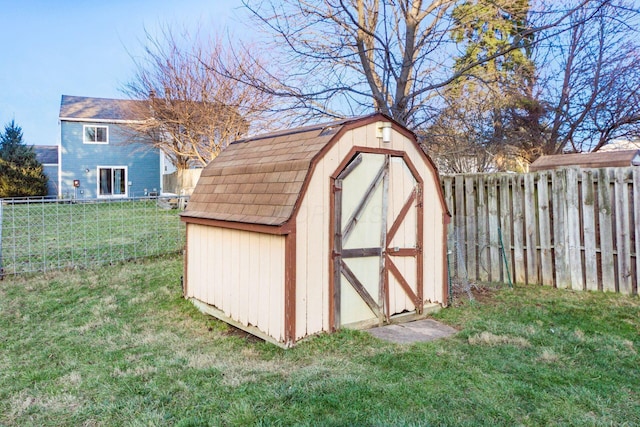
[(49, 156), (308, 230), (599, 159), (100, 156)]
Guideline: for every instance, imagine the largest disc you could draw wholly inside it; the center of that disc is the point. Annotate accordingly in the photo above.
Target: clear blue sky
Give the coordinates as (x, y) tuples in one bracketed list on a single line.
[(83, 47)]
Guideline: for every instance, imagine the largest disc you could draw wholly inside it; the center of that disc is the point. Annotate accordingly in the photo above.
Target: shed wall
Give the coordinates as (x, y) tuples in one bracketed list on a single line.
[(313, 233), (239, 272)]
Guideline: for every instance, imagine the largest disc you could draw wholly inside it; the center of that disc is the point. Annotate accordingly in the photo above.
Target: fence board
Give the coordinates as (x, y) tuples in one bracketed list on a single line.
[(589, 230), (606, 231), (494, 223), (636, 228), (566, 228), (519, 269), (623, 249), (470, 196), (562, 265), (544, 216), (460, 217), (483, 241), (574, 251), (531, 228), (448, 197), (505, 223)]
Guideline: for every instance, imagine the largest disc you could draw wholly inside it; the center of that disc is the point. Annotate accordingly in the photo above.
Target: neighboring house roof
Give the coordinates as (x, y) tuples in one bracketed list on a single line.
[(587, 160), (621, 144), (82, 108), (46, 154), (258, 180)]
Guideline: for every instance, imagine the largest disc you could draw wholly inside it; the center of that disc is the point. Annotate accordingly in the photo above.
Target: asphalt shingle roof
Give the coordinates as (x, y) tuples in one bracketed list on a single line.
[(104, 109), (258, 180)]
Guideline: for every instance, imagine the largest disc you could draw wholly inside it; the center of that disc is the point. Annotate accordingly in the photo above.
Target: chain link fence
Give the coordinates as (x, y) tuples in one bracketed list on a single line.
[(45, 234)]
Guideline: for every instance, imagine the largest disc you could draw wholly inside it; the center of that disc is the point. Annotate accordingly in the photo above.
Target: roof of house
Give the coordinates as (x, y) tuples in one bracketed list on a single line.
[(46, 154), (259, 180), (82, 108), (621, 144), (587, 160)]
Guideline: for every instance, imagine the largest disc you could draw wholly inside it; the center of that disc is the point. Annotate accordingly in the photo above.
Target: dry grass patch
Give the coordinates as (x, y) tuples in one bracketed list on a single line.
[(548, 356), (487, 338)]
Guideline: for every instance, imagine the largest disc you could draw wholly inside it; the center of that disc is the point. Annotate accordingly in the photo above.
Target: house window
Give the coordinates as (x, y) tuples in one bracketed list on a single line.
[(96, 134), (112, 181)]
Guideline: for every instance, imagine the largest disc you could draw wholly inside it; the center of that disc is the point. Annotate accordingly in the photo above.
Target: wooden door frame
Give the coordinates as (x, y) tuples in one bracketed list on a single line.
[(335, 203)]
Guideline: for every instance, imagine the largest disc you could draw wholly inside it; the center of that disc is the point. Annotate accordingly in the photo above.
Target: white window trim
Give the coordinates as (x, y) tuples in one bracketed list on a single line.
[(126, 182), (84, 133)]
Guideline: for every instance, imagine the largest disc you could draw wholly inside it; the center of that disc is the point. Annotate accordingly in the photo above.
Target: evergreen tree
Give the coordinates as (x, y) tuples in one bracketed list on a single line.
[(478, 116), (21, 175)]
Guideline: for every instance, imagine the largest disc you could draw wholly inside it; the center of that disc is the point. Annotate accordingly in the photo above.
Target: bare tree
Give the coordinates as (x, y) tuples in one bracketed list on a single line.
[(591, 83), (346, 57), (190, 109)]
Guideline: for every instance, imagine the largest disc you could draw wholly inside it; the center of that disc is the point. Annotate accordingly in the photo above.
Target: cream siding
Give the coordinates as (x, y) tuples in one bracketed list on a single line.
[(313, 234), (241, 273)]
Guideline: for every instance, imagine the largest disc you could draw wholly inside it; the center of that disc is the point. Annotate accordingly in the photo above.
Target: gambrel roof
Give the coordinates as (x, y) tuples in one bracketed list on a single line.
[(259, 180), (82, 108)]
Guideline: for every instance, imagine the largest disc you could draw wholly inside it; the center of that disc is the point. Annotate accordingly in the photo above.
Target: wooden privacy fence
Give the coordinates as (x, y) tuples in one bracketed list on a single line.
[(569, 228)]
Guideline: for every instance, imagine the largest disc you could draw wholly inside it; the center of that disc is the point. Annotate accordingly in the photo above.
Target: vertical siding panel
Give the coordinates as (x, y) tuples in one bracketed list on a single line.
[(519, 273), (470, 201), (606, 230), (317, 250), (234, 269), (264, 304), (325, 234), (589, 225), (275, 247), (531, 227), (558, 185), (191, 275), (544, 214), (243, 277), (574, 252), (623, 242), (255, 288), (302, 265), (215, 290)]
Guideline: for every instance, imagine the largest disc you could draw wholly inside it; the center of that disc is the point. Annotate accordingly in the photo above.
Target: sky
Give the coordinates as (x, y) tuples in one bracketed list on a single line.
[(52, 48)]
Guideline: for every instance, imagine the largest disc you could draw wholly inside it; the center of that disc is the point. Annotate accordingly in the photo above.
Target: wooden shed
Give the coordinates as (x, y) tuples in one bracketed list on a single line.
[(316, 228)]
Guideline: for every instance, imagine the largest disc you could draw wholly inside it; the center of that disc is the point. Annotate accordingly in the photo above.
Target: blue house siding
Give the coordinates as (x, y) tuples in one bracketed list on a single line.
[(51, 172), (81, 161), (48, 156)]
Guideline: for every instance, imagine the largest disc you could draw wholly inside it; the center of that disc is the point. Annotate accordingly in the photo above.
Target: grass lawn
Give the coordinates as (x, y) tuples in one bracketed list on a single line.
[(119, 346)]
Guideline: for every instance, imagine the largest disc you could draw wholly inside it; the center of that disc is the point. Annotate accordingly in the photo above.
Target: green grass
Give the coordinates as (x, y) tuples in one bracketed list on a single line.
[(119, 346), (51, 236)]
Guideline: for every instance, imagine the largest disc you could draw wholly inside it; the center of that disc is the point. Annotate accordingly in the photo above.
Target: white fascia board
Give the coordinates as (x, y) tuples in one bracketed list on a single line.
[(76, 119)]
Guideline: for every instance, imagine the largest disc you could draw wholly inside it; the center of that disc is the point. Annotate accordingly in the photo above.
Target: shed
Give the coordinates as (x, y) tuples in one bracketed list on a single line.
[(600, 159), (312, 229)]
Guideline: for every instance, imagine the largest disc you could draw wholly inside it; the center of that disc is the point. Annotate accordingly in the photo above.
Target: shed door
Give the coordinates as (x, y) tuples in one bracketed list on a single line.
[(377, 267)]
